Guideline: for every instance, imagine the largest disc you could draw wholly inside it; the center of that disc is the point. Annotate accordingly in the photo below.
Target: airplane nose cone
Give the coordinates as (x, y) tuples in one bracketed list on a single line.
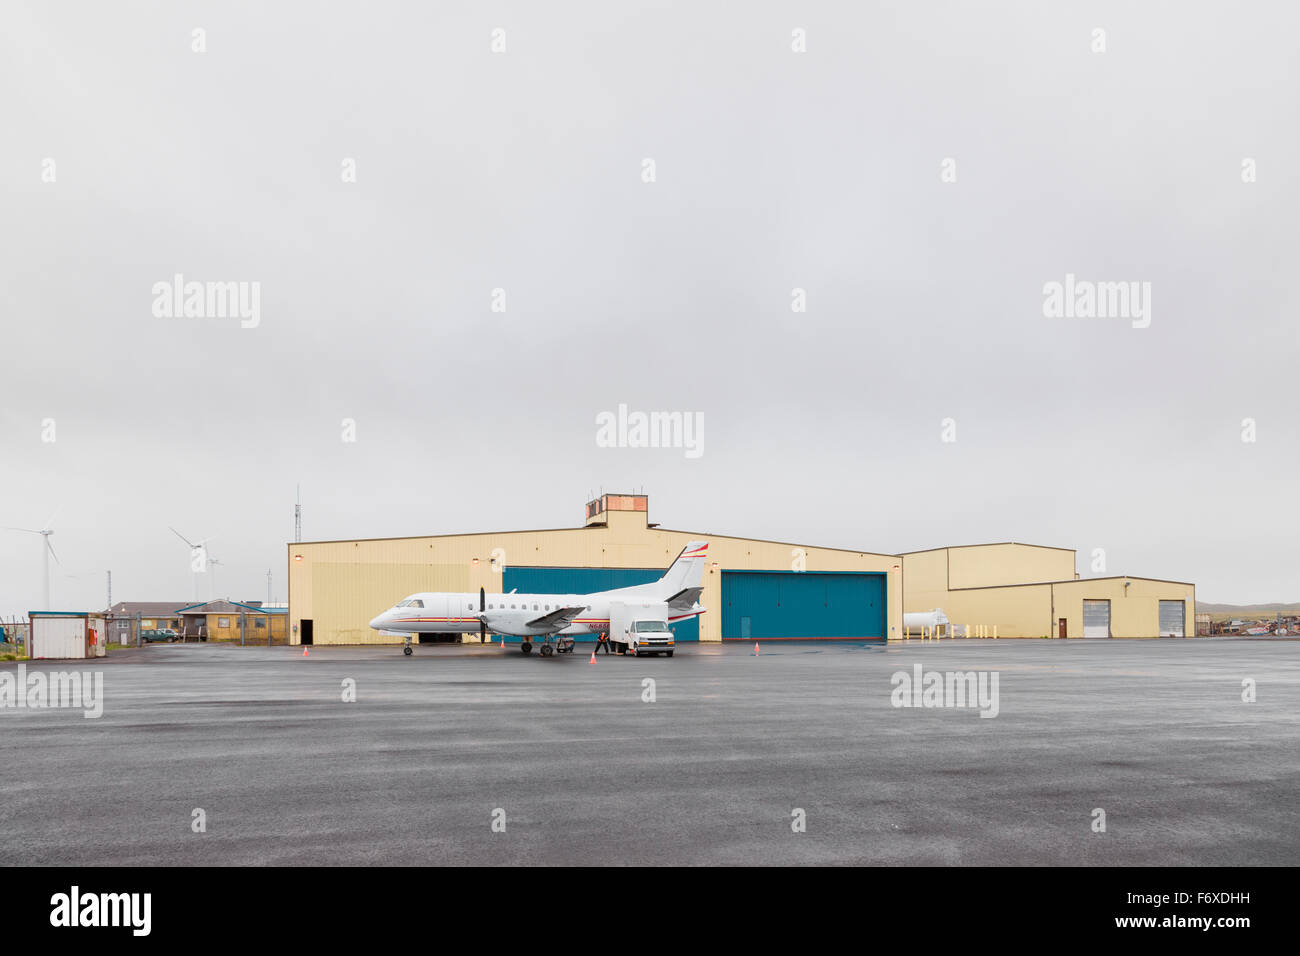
[(377, 622)]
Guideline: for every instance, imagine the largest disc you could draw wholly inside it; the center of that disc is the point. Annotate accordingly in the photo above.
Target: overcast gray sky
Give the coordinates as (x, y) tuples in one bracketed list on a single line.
[(522, 170)]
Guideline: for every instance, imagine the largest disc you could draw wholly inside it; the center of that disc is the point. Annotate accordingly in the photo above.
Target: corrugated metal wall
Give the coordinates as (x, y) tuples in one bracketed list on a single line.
[(758, 605), (349, 595), (587, 580)]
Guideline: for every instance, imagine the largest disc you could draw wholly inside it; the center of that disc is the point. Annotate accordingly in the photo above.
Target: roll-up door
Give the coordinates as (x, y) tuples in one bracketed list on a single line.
[(1096, 618), (1172, 614)]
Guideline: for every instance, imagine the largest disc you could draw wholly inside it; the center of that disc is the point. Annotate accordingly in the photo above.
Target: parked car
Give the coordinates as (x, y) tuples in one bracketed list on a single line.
[(159, 635)]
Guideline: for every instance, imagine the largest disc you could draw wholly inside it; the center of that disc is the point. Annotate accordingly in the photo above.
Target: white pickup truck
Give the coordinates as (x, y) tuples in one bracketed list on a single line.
[(640, 629)]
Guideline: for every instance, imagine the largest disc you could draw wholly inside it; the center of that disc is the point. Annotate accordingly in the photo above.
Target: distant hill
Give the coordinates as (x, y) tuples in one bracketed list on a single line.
[(1206, 608)]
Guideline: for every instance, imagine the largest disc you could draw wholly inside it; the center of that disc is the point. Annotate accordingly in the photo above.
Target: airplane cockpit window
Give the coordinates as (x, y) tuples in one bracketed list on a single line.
[(411, 602)]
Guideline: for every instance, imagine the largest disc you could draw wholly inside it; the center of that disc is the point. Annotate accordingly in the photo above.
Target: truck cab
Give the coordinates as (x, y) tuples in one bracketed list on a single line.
[(640, 629)]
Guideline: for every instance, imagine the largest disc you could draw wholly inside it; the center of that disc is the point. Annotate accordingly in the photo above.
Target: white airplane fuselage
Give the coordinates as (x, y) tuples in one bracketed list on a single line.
[(509, 614), (676, 595)]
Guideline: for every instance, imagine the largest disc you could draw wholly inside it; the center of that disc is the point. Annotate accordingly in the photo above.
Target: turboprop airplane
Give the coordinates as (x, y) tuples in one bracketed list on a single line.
[(553, 618)]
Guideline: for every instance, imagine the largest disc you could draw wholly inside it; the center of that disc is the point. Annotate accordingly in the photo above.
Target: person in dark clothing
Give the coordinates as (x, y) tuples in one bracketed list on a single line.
[(602, 641)]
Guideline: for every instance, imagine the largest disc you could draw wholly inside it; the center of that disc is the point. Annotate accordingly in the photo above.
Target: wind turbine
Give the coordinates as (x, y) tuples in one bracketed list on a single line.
[(198, 558), (47, 550), (212, 582)]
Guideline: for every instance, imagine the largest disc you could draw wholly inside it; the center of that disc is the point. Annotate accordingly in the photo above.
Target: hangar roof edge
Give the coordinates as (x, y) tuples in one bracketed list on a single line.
[(588, 529), (820, 547), (990, 544), (1103, 577)]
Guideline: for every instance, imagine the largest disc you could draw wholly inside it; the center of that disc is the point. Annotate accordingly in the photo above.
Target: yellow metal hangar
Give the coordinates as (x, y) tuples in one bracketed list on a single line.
[(753, 589), (1029, 590)]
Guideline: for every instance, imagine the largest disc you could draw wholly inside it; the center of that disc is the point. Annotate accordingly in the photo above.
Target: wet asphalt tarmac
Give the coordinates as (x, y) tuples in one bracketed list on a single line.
[(583, 771)]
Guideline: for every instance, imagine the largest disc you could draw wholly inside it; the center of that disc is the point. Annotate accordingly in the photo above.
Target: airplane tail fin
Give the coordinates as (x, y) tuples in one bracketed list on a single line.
[(687, 571)]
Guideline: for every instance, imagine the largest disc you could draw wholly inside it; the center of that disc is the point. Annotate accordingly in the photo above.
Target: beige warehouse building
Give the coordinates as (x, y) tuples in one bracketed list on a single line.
[(1028, 590), (754, 589)]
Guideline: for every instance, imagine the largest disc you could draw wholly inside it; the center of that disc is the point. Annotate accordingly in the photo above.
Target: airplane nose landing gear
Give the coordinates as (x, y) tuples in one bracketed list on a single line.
[(407, 650), (547, 650)]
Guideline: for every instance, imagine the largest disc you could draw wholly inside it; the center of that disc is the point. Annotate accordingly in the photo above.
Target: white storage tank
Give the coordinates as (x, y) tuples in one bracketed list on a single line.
[(914, 621), (66, 635)]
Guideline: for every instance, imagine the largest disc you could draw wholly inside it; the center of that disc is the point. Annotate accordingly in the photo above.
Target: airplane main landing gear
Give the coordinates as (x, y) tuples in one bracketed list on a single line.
[(526, 647), (547, 650)]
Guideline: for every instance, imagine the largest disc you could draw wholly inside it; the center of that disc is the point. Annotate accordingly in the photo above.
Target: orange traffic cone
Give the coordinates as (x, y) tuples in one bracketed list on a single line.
[(304, 652), (593, 657), (756, 648)]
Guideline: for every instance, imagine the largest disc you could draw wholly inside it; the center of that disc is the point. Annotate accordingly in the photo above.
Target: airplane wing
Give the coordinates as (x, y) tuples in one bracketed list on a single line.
[(558, 619), (685, 599)]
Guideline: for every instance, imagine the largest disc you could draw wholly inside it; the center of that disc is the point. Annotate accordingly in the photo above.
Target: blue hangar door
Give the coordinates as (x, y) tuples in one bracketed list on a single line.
[(587, 580), (775, 605)]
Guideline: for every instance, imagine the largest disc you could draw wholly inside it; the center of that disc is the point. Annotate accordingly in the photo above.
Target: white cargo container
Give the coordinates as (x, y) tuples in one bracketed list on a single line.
[(66, 635)]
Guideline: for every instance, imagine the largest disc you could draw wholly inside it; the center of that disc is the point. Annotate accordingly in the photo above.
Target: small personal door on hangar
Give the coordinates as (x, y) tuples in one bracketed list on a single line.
[(1096, 618), (758, 605), (1172, 618)]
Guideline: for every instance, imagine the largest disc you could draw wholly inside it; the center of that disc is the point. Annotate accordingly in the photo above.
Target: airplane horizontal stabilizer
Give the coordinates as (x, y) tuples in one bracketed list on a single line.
[(686, 598)]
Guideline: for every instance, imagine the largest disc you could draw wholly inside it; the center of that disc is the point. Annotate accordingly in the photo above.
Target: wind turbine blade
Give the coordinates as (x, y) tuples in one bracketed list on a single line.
[(52, 551), (46, 526), (182, 537), (28, 530)]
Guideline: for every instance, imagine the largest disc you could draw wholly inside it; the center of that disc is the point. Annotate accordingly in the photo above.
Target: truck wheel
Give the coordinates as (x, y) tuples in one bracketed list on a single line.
[(669, 653)]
